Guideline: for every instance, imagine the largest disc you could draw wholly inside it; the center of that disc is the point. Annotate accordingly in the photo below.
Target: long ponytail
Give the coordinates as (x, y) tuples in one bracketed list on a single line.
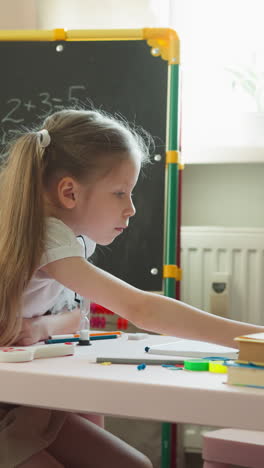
[(21, 229)]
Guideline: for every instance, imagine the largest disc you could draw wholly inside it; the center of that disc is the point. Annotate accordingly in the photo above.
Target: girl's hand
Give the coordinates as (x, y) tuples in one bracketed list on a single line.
[(33, 330), (40, 328)]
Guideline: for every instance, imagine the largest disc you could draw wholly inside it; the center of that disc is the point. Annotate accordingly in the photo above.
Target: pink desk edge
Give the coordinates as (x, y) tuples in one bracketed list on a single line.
[(77, 383)]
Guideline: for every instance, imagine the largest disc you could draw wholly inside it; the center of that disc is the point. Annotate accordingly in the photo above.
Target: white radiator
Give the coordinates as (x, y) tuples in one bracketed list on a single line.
[(208, 253)]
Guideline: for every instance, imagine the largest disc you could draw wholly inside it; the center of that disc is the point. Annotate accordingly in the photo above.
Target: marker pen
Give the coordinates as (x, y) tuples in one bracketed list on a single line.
[(77, 340), (64, 337), (61, 340), (117, 360), (77, 335)]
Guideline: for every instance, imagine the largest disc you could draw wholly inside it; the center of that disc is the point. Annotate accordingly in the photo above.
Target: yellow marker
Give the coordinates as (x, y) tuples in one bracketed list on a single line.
[(105, 363), (217, 367)]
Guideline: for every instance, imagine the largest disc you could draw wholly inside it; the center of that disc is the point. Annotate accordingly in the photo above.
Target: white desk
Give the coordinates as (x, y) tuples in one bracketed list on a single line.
[(77, 384)]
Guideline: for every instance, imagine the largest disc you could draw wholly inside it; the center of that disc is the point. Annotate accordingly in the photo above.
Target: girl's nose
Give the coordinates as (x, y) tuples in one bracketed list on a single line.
[(130, 210)]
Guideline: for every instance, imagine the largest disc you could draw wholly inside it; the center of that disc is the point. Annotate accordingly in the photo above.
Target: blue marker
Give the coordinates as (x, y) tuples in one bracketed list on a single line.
[(76, 340)]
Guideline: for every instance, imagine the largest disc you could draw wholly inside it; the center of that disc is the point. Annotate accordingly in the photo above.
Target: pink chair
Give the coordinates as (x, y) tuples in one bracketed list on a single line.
[(225, 447)]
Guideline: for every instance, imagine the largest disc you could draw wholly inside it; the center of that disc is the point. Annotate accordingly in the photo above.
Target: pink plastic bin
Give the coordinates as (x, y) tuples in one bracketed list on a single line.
[(233, 447)]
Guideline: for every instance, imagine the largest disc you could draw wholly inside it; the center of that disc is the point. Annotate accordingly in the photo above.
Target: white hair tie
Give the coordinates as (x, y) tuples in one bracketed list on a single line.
[(44, 138)]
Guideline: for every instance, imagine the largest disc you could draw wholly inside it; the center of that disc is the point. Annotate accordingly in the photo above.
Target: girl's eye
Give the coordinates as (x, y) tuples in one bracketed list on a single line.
[(122, 194)]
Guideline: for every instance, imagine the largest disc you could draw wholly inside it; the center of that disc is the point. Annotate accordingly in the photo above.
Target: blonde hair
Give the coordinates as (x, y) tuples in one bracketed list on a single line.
[(83, 144)]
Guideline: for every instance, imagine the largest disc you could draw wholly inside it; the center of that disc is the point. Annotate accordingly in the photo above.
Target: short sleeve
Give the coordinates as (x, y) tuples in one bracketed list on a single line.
[(60, 242)]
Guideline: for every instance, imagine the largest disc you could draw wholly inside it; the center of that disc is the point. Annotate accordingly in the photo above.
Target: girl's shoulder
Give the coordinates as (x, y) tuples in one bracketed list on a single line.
[(57, 233), (61, 242)]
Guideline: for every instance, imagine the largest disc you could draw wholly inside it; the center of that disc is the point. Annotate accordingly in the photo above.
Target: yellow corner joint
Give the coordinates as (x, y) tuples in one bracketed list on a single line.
[(164, 42)]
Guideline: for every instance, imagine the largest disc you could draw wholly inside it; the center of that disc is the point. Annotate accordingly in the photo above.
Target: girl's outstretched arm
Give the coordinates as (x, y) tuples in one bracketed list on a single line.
[(146, 310)]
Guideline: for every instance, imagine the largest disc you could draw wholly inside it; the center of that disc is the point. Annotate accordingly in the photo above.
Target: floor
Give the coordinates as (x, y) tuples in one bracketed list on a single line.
[(146, 437), (192, 460)]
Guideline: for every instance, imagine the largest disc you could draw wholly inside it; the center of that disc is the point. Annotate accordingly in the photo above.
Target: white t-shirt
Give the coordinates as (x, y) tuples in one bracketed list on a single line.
[(42, 291)]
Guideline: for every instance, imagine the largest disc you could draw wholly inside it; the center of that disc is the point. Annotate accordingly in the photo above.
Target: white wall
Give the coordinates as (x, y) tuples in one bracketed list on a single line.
[(18, 14), (103, 14), (230, 195)]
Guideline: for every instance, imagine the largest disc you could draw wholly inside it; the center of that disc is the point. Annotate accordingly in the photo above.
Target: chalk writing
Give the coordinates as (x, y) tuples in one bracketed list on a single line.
[(16, 112)]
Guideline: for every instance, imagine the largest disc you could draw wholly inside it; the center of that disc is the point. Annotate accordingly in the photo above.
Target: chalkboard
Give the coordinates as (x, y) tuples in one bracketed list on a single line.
[(38, 78)]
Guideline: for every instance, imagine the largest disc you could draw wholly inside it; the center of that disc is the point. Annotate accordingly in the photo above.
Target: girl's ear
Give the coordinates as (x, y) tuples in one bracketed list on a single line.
[(67, 191)]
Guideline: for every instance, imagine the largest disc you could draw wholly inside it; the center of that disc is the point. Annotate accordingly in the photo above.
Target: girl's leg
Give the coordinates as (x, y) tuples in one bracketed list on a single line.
[(41, 460), (82, 444)]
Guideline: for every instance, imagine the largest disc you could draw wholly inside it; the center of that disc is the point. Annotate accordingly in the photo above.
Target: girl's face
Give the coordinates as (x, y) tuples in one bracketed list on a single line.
[(106, 206)]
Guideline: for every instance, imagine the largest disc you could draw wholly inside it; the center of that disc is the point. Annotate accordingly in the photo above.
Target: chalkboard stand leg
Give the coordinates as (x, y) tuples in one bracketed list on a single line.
[(171, 271)]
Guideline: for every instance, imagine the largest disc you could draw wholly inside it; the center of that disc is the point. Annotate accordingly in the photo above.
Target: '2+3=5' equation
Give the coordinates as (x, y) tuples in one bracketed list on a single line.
[(18, 112)]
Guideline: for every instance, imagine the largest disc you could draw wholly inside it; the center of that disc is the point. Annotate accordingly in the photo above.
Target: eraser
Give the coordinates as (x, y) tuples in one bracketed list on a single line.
[(137, 336), (217, 367), (13, 354), (16, 354), (53, 350), (196, 365)]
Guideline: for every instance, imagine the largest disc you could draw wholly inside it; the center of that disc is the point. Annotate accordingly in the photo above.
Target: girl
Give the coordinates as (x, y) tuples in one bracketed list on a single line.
[(75, 177)]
